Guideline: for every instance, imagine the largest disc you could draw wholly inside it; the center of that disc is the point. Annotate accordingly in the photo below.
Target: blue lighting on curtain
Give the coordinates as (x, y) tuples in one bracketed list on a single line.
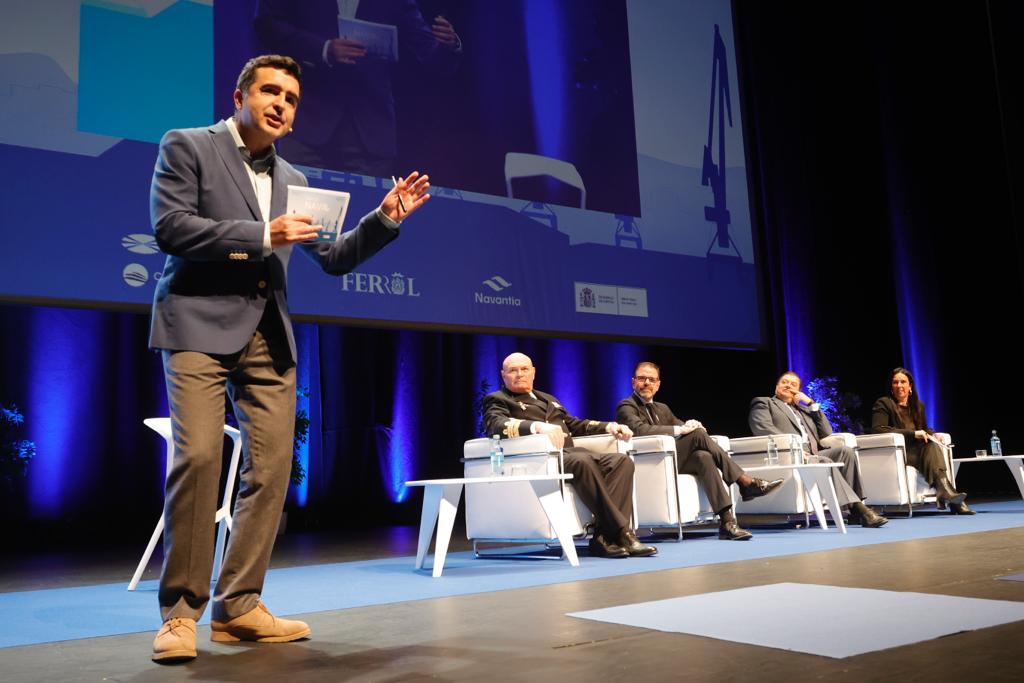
[(916, 332), (60, 388), (486, 363), (624, 359), (399, 466), (544, 42), (566, 375), (799, 324)]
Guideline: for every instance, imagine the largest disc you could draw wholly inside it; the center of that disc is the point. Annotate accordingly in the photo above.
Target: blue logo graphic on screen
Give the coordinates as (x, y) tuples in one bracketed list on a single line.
[(497, 283)]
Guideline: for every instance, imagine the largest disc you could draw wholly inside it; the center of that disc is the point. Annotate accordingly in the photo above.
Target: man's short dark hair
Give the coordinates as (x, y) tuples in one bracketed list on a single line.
[(789, 372), (248, 75), (647, 362)]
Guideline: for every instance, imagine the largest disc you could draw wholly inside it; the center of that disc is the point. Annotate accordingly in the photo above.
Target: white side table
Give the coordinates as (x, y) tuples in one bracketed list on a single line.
[(1014, 462), (441, 501), (817, 482)]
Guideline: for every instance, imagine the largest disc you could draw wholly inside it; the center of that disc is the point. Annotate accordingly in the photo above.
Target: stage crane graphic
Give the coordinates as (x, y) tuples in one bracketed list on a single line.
[(712, 174)]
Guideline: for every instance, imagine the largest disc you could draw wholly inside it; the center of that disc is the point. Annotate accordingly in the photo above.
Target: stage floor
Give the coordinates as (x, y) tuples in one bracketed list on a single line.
[(525, 633)]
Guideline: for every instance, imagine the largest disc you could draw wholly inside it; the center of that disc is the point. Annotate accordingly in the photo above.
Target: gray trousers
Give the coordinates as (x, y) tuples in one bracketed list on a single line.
[(847, 479), (260, 381)]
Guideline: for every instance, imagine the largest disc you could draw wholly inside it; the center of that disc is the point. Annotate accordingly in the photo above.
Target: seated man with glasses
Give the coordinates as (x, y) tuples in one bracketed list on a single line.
[(603, 481), (696, 452), (791, 411)]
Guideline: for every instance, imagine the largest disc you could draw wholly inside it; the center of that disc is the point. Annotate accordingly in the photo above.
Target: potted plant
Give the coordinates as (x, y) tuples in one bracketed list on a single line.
[(15, 453)]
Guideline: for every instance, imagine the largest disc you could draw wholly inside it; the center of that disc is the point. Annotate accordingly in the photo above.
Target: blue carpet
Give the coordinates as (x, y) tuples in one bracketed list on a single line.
[(102, 610), (828, 621)]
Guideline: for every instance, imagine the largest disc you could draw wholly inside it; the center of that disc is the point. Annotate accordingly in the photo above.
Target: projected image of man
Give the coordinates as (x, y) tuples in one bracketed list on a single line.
[(353, 125), (220, 318)]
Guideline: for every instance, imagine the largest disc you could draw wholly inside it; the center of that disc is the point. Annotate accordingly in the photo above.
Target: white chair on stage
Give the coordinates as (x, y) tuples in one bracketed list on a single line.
[(522, 165), (791, 497), (512, 513), (886, 476), (788, 499), (665, 498), (162, 426)]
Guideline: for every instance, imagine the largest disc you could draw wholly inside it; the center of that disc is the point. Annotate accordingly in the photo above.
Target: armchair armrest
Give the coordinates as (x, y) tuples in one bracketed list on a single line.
[(655, 443), (947, 437), (602, 443), (531, 444), (887, 440), (723, 441), (839, 439), (759, 444)]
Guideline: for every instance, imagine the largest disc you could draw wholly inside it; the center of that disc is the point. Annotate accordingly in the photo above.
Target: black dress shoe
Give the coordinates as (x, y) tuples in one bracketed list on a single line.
[(961, 509), (599, 547), (634, 547), (729, 530), (863, 515), (759, 487)]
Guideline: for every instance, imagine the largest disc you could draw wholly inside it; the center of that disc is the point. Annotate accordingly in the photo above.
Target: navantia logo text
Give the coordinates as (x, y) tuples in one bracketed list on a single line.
[(497, 283), (395, 284)]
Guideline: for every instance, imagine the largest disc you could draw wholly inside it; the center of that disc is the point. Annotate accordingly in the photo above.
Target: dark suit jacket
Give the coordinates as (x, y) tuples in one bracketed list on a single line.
[(769, 415), (216, 283), (632, 413), (885, 418), (361, 92), (512, 415)]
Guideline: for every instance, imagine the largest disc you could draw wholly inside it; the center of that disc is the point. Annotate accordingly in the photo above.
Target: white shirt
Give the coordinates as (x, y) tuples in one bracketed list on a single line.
[(262, 185)]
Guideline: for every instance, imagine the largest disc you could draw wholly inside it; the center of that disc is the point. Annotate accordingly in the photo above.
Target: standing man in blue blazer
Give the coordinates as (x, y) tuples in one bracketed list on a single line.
[(220, 318)]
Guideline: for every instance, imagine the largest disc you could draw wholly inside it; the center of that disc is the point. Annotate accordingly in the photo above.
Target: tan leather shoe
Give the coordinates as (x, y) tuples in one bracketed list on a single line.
[(260, 625), (175, 641)]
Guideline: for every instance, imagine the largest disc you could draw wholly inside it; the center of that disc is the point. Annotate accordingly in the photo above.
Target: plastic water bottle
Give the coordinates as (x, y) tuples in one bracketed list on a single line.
[(497, 456), (796, 451), (773, 452), (995, 445)]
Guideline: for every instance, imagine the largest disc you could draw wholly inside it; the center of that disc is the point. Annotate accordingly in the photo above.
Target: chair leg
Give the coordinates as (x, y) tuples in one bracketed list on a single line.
[(157, 532), (218, 553)]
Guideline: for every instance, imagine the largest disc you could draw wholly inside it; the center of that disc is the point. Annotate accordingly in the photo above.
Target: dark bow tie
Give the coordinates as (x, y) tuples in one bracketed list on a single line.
[(260, 164)]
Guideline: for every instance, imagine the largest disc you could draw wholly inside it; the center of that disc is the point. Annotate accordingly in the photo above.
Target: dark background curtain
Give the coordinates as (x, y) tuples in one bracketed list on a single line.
[(885, 156)]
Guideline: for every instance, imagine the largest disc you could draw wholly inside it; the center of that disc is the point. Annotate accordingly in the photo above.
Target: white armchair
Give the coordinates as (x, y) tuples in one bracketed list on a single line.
[(788, 499), (886, 476), (511, 513), (665, 498)]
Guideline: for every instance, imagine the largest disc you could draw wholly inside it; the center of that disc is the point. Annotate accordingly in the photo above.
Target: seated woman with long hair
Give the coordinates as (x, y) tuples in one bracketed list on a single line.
[(903, 413)]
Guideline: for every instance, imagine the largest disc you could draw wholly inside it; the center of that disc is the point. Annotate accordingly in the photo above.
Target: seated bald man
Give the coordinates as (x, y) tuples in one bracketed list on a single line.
[(604, 481), (696, 452)]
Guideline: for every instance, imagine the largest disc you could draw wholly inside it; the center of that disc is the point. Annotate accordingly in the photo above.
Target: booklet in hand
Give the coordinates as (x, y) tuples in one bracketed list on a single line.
[(327, 207), (380, 40)]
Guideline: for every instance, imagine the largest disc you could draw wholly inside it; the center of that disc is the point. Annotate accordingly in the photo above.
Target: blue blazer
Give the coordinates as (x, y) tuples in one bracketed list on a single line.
[(216, 283)]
